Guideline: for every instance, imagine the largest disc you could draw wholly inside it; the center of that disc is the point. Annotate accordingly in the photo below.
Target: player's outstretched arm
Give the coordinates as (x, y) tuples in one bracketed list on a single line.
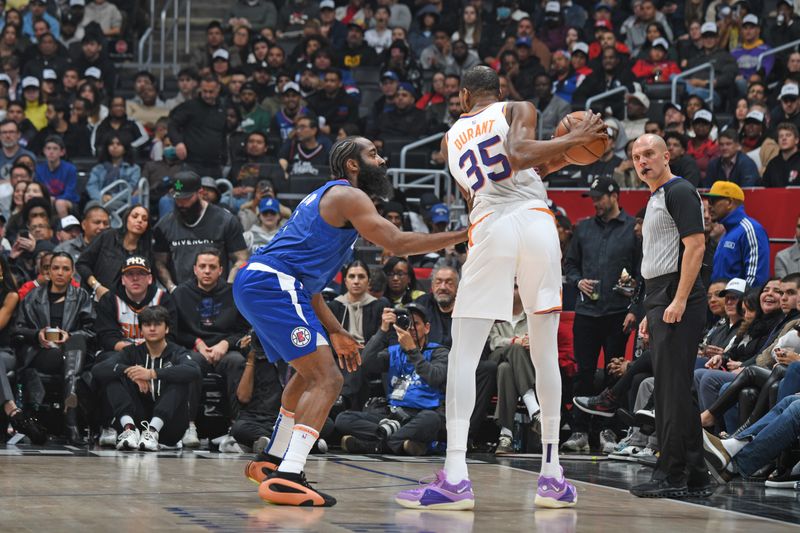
[(360, 211), (524, 151)]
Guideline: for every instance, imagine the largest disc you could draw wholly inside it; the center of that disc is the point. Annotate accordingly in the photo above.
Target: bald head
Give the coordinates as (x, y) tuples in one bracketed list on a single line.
[(651, 160)]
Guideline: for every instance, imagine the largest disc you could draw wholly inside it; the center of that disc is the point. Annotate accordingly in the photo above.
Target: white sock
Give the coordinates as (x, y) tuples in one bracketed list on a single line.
[(125, 420), (281, 434), (506, 432), (530, 402), (156, 424), (544, 355), (469, 337), (734, 446), (303, 439)]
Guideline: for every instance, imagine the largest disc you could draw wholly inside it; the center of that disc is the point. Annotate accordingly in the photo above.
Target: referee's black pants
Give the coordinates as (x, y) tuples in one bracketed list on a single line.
[(674, 351)]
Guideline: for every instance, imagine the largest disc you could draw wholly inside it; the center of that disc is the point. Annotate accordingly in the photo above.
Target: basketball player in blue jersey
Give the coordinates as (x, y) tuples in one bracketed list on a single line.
[(278, 292)]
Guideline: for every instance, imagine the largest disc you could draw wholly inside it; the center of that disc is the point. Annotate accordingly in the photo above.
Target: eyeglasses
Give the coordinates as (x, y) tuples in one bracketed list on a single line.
[(397, 274)]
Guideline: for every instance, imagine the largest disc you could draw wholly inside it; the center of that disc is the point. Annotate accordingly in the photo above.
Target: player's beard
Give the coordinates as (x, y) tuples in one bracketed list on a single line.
[(372, 180)]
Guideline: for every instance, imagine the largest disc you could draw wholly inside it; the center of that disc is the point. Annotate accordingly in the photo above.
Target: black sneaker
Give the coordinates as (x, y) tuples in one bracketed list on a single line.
[(646, 421), (283, 488), (351, 444), (604, 404), (701, 486), (788, 479), (29, 426), (660, 489)]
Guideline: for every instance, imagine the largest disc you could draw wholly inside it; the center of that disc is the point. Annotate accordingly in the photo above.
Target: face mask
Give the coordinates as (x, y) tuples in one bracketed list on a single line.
[(503, 13), (170, 154)]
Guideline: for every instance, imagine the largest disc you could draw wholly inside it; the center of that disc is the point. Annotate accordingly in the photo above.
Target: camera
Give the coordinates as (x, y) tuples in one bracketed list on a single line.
[(403, 318), (397, 418)]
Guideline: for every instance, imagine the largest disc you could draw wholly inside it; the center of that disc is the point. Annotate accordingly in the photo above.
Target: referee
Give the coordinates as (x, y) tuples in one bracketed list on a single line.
[(675, 308)]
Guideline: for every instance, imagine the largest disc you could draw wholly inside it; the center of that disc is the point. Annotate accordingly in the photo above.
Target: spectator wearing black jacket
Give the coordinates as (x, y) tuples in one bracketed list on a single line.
[(405, 120), (56, 322), (117, 124), (784, 169), (333, 103), (356, 53), (93, 55), (149, 381), (210, 324), (198, 130), (681, 164), (101, 262), (76, 137)]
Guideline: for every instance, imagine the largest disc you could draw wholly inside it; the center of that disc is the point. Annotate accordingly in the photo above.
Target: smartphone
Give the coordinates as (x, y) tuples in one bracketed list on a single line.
[(25, 234)]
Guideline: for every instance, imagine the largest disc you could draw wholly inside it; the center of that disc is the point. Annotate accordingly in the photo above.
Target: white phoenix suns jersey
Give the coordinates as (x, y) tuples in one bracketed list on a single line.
[(476, 154)]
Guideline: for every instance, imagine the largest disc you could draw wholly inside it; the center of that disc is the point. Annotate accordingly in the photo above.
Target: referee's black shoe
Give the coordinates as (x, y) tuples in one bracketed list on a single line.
[(661, 488)]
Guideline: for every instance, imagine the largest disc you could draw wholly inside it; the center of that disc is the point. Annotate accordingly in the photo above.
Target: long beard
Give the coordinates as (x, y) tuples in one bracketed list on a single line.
[(189, 215), (373, 181)]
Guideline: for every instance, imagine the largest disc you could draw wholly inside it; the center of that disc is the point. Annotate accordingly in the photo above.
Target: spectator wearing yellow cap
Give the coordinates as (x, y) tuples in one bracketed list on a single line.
[(743, 252)]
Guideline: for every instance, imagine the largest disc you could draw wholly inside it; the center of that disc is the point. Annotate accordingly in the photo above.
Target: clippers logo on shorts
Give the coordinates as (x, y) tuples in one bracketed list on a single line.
[(301, 337)]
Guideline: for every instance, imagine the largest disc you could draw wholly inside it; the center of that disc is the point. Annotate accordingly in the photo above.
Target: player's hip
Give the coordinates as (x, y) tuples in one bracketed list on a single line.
[(505, 232)]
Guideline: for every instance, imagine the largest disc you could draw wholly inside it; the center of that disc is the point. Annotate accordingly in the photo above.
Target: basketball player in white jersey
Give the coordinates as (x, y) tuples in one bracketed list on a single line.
[(493, 155)]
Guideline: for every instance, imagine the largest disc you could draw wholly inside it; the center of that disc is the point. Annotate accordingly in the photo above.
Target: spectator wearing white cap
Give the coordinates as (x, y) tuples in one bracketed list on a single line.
[(746, 55), (35, 108), (638, 105), (789, 108), (725, 68), (106, 15), (702, 147), (758, 146), (553, 32), (657, 67)]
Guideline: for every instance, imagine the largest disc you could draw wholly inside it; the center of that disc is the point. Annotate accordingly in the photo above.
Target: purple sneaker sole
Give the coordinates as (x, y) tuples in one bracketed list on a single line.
[(554, 494), (439, 495)]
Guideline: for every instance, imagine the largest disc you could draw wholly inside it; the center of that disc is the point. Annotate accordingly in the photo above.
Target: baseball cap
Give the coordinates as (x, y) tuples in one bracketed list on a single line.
[(136, 262), (49, 74), (392, 207), (248, 86), (29, 81), (81, 3), (69, 221), (5, 78), (725, 189), (93, 72), (291, 86), (639, 95), (418, 309), (427, 201), (661, 42), (524, 41), (552, 7), (750, 19), (405, 86), (735, 287), (703, 114), (439, 213), (602, 5), (357, 26), (327, 4), (390, 75), (602, 23), (756, 116), (580, 47), (208, 182), (185, 183), (789, 89), (269, 205), (672, 105), (600, 186), (220, 54), (708, 27)]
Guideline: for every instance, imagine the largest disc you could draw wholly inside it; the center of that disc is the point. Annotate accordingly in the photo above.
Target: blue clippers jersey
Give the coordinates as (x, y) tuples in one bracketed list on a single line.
[(307, 247)]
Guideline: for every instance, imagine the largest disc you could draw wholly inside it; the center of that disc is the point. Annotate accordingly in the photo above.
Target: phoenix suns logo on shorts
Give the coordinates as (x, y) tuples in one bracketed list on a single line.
[(301, 337)]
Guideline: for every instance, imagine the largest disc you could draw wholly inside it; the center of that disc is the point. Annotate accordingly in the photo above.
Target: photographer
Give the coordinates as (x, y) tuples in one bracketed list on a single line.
[(417, 371)]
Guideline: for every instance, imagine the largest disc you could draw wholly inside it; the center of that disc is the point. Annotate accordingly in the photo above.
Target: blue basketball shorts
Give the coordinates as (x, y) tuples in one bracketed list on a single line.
[(279, 309)]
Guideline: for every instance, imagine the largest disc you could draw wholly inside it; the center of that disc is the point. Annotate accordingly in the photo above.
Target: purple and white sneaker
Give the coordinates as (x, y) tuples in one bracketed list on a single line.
[(439, 495), (555, 494)]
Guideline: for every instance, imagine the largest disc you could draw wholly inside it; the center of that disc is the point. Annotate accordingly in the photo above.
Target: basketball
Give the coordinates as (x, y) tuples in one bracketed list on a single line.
[(585, 154)]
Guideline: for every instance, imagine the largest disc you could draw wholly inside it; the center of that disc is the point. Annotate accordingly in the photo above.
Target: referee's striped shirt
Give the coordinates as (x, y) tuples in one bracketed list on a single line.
[(674, 211)]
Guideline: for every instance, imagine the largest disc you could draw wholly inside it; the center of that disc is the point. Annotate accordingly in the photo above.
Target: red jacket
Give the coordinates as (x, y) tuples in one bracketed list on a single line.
[(645, 70)]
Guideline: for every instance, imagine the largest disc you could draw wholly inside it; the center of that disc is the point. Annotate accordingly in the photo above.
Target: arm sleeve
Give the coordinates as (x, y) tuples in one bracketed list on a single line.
[(70, 185), (433, 372), (113, 367), (177, 120), (93, 186), (107, 327), (572, 262), (160, 244), (234, 235), (143, 136), (376, 354), (88, 257), (686, 209)]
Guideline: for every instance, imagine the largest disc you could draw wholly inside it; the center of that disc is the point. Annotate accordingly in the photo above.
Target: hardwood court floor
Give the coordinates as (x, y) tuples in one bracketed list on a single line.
[(67, 490)]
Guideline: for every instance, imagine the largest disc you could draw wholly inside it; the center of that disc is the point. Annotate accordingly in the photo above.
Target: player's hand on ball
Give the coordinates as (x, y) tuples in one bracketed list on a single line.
[(347, 348), (674, 312), (591, 128)]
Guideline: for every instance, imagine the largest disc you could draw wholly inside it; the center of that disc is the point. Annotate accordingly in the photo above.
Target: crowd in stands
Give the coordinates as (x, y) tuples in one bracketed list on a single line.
[(125, 215)]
